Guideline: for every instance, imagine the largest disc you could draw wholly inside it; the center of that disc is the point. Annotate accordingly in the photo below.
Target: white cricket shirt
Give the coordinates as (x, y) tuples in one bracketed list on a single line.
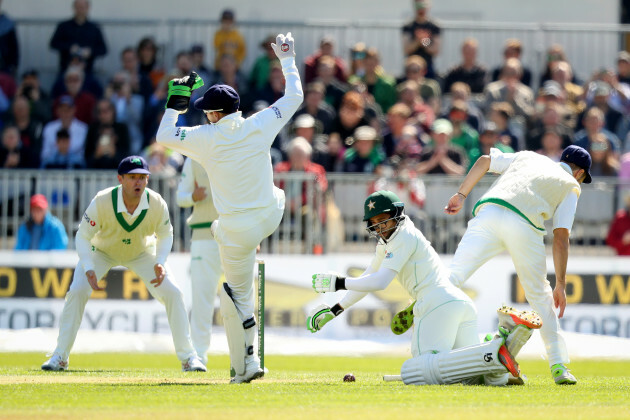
[(108, 226), (235, 153)]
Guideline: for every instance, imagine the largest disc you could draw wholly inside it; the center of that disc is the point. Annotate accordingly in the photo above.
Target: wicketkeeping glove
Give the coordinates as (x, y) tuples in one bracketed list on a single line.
[(284, 46), (329, 282), (179, 91), (321, 315)]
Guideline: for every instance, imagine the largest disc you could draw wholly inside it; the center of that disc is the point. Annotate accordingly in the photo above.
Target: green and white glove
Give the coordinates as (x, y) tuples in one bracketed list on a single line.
[(179, 91), (321, 315), (284, 46), (328, 282)]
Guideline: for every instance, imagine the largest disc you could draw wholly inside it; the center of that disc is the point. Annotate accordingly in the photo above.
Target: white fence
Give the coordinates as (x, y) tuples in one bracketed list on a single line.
[(315, 221)]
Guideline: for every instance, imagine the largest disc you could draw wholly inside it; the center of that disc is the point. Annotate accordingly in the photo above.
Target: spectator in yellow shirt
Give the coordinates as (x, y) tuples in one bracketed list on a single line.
[(228, 40)]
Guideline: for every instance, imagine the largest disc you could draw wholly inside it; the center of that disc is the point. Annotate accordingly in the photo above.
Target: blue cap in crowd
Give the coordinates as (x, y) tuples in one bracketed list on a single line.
[(579, 156), (222, 98), (133, 165)]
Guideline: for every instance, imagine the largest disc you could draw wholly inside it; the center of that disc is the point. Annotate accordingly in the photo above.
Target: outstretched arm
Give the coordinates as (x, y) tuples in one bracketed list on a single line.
[(328, 282), (477, 172), (272, 119)]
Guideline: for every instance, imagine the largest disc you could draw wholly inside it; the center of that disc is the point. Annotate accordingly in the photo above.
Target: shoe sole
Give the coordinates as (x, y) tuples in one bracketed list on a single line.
[(567, 382), (49, 369), (508, 361), (259, 374), (517, 380), (528, 318)]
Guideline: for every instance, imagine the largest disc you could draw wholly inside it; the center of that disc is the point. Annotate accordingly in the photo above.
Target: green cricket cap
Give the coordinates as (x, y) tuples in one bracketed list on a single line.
[(381, 202)]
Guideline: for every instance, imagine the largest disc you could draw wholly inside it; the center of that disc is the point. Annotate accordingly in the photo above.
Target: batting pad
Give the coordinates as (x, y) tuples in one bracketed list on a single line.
[(240, 334), (454, 366), (517, 338)]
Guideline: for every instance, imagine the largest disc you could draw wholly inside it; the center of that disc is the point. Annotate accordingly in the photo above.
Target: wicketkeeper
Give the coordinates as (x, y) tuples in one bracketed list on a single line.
[(234, 151)]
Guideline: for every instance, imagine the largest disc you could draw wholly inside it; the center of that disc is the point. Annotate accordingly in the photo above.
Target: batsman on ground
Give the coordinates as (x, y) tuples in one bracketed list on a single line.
[(119, 228), (234, 152), (445, 344)]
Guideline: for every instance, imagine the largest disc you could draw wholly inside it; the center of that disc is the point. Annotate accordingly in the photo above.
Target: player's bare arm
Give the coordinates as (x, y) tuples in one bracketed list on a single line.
[(560, 251), (479, 169)]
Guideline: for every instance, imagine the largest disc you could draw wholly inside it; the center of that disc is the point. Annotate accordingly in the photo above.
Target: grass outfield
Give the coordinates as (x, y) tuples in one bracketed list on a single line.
[(125, 385)]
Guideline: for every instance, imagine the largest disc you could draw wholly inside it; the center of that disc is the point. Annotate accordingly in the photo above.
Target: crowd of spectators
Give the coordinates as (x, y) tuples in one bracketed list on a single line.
[(355, 117)]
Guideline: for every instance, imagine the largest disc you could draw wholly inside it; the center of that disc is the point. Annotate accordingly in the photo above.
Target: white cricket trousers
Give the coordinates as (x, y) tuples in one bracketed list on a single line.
[(238, 254), (496, 229), (448, 326), (167, 293), (205, 273)]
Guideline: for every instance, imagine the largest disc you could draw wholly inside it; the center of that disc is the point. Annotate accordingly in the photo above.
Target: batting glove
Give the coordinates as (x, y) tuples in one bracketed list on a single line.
[(284, 46), (179, 91), (321, 315), (323, 283)]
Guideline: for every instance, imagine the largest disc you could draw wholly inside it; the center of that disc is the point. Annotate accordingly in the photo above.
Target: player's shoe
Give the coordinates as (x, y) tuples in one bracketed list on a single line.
[(403, 320), (508, 361), (517, 380), (562, 375), (55, 363), (510, 317), (193, 364), (252, 371)]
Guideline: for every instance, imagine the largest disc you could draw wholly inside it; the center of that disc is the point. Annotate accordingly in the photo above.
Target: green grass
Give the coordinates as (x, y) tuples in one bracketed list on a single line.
[(123, 385)]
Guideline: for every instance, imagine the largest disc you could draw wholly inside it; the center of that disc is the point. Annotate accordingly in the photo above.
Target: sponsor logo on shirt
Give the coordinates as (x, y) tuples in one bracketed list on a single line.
[(389, 255), (88, 220), (277, 111), (180, 133)]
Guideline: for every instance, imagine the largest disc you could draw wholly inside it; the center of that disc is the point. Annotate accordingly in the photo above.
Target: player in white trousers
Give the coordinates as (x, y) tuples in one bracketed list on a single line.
[(234, 151), (205, 262), (445, 345), (119, 228), (510, 216)]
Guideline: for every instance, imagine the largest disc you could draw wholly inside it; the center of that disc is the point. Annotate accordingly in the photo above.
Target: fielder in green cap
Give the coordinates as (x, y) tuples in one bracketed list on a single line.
[(444, 317)]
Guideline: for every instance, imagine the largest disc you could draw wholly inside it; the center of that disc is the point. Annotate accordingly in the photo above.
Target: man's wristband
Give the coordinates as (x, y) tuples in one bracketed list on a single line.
[(336, 309), (462, 194), (340, 283)]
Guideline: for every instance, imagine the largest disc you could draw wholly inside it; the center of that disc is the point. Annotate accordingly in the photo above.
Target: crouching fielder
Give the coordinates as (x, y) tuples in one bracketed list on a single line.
[(119, 228), (444, 317), (234, 152)]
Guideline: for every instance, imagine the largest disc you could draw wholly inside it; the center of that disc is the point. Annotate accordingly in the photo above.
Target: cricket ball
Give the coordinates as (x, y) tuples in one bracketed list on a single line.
[(349, 378)]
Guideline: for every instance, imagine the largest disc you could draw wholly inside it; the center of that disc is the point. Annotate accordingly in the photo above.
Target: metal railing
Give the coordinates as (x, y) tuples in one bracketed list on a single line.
[(315, 221), (588, 47)]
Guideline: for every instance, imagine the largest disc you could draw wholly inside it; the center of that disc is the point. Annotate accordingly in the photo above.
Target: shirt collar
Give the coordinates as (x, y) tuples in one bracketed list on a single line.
[(143, 205), (232, 119), (566, 167)]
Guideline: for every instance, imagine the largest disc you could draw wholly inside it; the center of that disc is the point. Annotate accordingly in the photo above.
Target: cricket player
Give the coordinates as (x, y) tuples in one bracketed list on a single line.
[(234, 152), (119, 228), (510, 216), (205, 263), (445, 345)]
